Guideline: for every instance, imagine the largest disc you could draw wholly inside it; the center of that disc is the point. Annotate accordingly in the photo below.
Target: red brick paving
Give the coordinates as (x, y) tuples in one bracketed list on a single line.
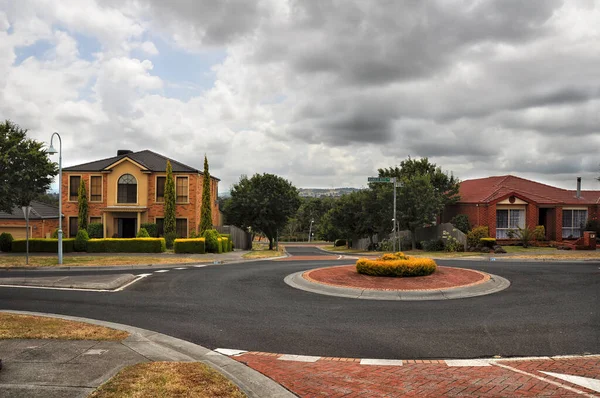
[(442, 278), (328, 378)]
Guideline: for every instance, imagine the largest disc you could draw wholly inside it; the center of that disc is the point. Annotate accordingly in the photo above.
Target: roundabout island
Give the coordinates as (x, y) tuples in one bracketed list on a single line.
[(413, 279)]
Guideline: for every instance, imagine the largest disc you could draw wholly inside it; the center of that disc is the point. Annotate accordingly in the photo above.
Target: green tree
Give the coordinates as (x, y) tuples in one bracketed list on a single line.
[(169, 206), (82, 201), (206, 210), (326, 230), (264, 203), (25, 169)]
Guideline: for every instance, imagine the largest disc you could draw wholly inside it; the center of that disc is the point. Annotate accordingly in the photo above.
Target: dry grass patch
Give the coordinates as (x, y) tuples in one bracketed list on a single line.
[(16, 326), (342, 249), (168, 379), (255, 254), (94, 261)]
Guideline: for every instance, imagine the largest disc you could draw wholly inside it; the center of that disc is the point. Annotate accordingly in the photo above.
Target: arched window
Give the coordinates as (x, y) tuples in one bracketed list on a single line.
[(127, 189)]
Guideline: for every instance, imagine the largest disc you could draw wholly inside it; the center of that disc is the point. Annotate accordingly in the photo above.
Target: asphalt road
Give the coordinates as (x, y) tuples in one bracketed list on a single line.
[(549, 309)]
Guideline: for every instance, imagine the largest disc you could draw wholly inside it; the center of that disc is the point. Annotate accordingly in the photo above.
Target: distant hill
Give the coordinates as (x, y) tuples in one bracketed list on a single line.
[(325, 192)]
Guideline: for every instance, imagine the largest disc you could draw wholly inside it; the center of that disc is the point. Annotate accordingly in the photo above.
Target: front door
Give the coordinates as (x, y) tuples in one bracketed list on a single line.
[(127, 227)]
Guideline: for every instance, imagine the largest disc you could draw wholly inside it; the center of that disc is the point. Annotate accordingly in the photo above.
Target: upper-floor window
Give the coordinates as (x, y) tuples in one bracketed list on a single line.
[(96, 189), (160, 188), (181, 189), (127, 189), (573, 223), (74, 182)]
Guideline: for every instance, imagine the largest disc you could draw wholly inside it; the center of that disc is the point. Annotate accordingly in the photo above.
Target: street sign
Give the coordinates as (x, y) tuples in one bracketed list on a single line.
[(380, 179)]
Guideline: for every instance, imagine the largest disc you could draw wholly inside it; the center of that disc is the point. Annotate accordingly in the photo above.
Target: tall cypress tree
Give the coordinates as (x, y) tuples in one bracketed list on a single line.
[(169, 222), (206, 210), (82, 219)]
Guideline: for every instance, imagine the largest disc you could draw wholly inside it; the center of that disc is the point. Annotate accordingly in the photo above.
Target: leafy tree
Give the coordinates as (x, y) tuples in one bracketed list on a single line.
[(50, 198), (206, 210), (263, 203), (82, 219), (169, 206), (326, 230), (461, 222), (25, 169)]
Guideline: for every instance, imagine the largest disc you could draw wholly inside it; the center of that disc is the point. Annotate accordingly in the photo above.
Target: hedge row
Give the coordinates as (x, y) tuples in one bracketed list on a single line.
[(132, 245), (196, 245), (409, 267), (37, 245)]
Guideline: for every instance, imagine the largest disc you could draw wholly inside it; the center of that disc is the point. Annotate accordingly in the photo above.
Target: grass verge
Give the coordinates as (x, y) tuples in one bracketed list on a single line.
[(168, 379), (261, 250), (342, 249), (16, 326), (93, 261)]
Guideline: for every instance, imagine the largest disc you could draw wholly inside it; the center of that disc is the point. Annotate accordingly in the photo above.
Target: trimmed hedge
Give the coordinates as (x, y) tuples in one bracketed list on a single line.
[(397, 268), (37, 245), (219, 245), (488, 242), (95, 230), (195, 245), (131, 245), (393, 256), (212, 241), (142, 233), (81, 240)]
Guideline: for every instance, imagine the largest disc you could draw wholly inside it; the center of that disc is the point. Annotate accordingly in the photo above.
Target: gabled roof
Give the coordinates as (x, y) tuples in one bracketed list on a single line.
[(151, 160), (39, 211), (491, 189)]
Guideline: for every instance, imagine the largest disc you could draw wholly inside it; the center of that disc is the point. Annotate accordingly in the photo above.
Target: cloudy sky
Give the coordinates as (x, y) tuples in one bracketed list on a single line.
[(321, 92)]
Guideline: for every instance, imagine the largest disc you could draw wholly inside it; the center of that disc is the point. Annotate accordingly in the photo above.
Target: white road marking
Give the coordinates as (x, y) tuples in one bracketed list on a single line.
[(545, 380), (298, 358), (340, 257), (467, 362), (200, 266), (162, 270), (95, 352), (382, 362), (140, 277), (180, 268), (229, 352), (143, 274), (592, 384)]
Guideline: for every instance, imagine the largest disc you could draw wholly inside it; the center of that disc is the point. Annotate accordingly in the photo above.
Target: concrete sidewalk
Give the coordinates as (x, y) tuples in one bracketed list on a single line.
[(58, 368)]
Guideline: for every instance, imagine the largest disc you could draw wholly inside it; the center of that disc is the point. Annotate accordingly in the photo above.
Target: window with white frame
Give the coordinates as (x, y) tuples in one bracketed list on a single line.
[(573, 222), (509, 219)]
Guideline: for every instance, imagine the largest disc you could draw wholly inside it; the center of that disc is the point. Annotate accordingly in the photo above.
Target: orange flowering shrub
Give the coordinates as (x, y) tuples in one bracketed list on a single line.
[(403, 267), (393, 256)]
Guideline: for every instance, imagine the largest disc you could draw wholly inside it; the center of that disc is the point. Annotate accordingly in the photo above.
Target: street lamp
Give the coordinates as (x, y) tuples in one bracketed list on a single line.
[(310, 229), (52, 151)]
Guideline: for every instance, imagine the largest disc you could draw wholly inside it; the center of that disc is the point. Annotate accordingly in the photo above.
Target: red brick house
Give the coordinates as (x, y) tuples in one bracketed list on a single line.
[(43, 220), (127, 190), (507, 202)]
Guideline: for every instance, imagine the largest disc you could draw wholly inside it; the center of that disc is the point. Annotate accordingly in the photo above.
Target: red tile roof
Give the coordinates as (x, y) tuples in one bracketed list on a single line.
[(486, 190)]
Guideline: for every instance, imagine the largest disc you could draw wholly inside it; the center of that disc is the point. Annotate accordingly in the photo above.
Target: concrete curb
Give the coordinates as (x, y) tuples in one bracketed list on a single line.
[(506, 259), (494, 285), (161, 347)]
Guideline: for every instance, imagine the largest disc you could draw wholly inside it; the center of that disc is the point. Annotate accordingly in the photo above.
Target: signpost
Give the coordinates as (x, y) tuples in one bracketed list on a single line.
[(26, 212), (387, 180)]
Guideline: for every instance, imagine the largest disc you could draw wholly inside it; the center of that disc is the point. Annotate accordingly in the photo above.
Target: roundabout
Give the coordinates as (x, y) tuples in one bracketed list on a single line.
[(446, 283)]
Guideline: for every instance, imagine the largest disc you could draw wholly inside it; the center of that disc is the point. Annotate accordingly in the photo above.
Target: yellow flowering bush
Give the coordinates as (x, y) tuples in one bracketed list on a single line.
[(397, 265)]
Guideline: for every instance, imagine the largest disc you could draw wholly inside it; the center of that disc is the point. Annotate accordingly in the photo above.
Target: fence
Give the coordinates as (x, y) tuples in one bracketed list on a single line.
[(428, 233), (241, 239)]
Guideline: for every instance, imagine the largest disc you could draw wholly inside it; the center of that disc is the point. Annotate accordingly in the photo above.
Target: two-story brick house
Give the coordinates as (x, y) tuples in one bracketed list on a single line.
[(127, 190), (507, 202)]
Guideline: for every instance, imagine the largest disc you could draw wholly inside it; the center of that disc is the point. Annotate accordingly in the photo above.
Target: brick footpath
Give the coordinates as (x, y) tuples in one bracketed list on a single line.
[(347, 377)]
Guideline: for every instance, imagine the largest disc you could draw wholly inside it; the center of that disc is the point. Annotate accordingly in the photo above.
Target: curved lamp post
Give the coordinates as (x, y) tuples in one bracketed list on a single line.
[(52, 151), (310, 228)]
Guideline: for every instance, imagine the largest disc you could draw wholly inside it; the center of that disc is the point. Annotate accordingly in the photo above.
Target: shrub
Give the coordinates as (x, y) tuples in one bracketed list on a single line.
[(54, 234), (393, 256), (142, 233), (6, 240), (81, 240), (225, 244), (539, 232), (410, 267), (212, 240), (434, 245), (461, 222), (219, 245), (339, 242), (95, 230), (37, 245), (524, 235), (488, 242), (593, 224), (194, 245), (132, 245), (451, 244), (152, 229), (169, 239), (476, 234), (230, 245)]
